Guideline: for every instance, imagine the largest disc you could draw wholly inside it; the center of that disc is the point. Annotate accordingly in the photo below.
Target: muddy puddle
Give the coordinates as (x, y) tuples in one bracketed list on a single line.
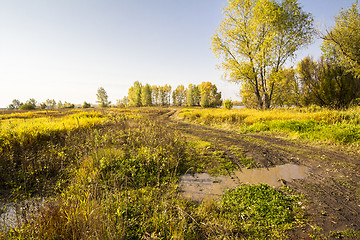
[(200, 186), (13, 215)]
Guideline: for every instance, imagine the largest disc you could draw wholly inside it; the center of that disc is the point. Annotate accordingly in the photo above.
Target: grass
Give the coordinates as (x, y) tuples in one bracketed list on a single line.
[(316, 124), (114, 175)]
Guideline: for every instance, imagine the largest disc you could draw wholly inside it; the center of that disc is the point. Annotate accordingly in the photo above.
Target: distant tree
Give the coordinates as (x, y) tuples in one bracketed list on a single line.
[(287, 90), (165, 95), (16, 103), (122, 103), (27, 106), (146, 98), (10, 107), (86, 105), (42, 105), (68, 105), (102, 97), (179, 96), (190, 96), (134, 95), (210, 97), (228, 104), (344, 39), (32, 101), (155, 95), (51, 104), (193, 95), (59, 105), (196, 95), (256, 38)]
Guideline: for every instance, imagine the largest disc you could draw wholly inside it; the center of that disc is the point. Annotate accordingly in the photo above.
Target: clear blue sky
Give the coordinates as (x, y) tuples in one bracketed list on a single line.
[(67, 49)]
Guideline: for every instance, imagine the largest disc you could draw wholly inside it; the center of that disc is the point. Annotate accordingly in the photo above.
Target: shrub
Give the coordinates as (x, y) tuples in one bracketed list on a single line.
[(228, 104), (27, 106)]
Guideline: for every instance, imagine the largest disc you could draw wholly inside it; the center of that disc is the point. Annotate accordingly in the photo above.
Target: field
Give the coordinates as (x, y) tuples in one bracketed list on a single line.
[(118, 174)]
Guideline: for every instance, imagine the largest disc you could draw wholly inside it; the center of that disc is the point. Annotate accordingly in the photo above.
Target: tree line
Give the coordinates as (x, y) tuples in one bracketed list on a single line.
[(139, 95), (205, 95), (257, 37), (48, 104)]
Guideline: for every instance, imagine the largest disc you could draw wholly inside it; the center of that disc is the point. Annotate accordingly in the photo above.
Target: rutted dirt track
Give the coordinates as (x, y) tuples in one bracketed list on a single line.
[(332, 190)]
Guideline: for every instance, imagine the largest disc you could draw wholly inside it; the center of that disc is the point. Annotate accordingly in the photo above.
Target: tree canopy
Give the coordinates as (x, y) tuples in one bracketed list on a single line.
[(256, 38), (343, 40)]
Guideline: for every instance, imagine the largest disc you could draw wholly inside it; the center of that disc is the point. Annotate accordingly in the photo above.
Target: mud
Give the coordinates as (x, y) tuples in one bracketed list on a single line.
[(332, 188), (198, 187)]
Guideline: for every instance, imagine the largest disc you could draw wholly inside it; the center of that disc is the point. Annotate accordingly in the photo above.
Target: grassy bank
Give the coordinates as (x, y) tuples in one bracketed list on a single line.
[(306, 123), (117, 178)]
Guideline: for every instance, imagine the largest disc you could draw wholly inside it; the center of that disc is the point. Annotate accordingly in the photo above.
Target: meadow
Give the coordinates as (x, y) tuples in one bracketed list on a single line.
[(114, 174), (312, 123)]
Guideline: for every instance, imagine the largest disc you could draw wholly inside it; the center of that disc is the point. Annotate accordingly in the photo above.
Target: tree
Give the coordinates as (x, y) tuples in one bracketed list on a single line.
[(325, 83), (27, 106), (134, 95), (228, 104), (68, 105), (122, 103), (15, 104), (344, 38), (102, 97), (209, 95), (32, 101), (256, 38), (42, 105), (59, 105), (50, 103), (155, 95), (86, 105), (179, 96), (193, 95), (146, 98)]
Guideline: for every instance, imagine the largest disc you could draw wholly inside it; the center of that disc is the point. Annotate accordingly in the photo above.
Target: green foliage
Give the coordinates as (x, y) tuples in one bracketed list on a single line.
[(347, 234), (146, 99), (115, 176), (261, 212), (68, 105), (179, 96), (326, 83), (228, 104), (344, 39), (27, 106), (86, 105), (307, 123), (256, 38), (102, 97), (34, 151)]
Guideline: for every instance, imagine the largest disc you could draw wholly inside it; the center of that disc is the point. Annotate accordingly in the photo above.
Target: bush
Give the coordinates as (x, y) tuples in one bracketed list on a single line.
[(228, 104), (27, 106), (86, 105)]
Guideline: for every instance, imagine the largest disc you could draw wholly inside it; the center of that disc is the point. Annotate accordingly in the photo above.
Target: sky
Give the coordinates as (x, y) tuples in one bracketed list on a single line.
[(66, 49)]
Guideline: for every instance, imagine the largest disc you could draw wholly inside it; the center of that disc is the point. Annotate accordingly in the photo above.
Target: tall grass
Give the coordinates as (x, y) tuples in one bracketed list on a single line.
[(307, 123), (125, 186), (34, 150)]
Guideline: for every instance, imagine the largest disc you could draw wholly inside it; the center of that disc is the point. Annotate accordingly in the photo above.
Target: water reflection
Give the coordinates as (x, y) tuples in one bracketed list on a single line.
[(200, 186)]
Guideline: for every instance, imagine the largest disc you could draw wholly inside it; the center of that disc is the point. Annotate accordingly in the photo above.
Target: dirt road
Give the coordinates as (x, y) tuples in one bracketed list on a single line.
[(332, 190)]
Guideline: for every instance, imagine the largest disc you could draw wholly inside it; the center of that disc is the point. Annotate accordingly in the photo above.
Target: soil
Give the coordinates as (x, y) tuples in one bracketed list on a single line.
[(332, 189)]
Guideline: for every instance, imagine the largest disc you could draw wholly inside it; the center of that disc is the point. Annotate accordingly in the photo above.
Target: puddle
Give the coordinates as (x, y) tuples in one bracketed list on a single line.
[(13, 215), (200, 186)]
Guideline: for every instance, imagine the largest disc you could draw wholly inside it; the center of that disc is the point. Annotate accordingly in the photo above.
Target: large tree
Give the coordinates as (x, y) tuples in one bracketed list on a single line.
[(134, 95), (146, 98), (256, 38), (344, 39), (102, 97)]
